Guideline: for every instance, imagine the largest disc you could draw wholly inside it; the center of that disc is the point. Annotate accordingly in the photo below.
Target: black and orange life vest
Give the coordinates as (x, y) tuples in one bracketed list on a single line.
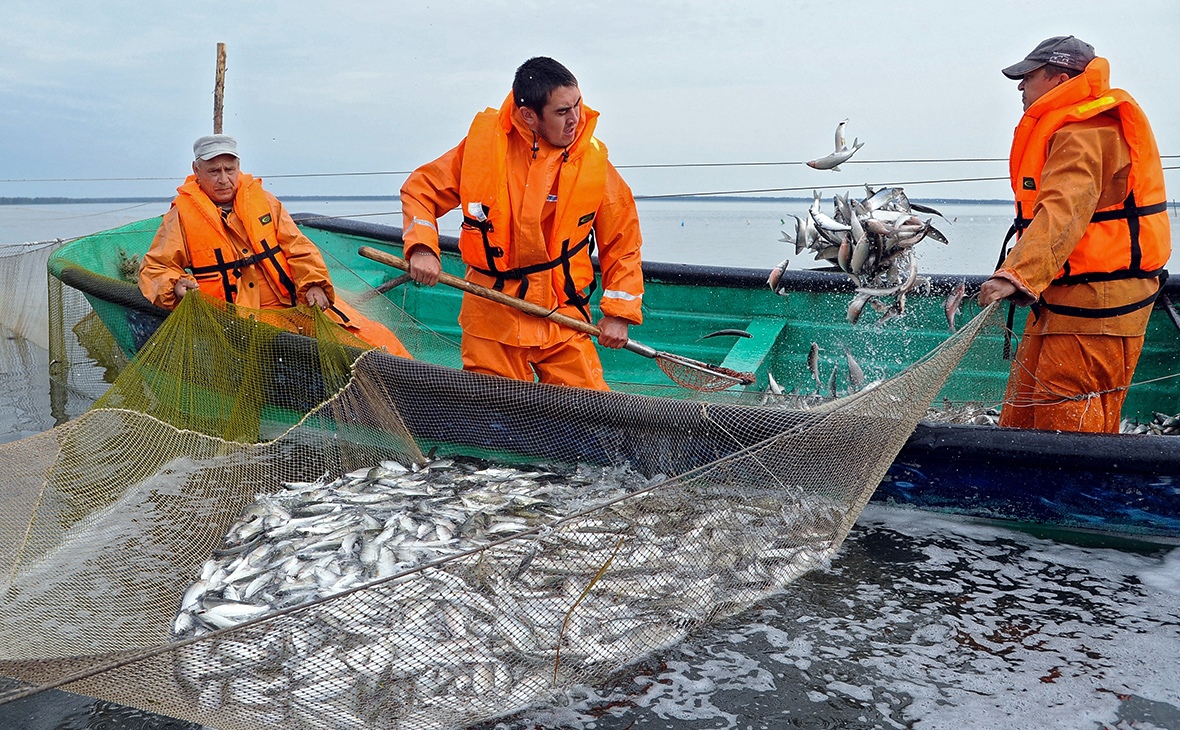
[(485, 240), (214, 261), (1129, 240)]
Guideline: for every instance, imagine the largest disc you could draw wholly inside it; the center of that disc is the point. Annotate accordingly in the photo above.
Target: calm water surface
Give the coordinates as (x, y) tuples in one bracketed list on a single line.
[(920, 621)]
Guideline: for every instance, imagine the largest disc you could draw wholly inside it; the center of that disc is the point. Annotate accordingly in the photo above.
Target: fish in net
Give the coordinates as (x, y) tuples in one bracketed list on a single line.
[(246, 532)]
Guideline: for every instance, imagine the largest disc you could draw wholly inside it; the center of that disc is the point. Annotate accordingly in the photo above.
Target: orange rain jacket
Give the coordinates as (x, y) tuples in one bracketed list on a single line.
[(1090, 209), (1094, 236), (257, 258), (528, 216)]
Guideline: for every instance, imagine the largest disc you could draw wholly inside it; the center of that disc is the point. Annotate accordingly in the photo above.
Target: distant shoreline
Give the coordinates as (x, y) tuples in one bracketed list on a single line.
[(156, 199), (389, 198), (1173, 205)]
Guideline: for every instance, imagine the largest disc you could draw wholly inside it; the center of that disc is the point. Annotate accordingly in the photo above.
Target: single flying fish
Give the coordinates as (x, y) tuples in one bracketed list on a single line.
[(856, 376), (813, 362), (841, 154), (953, 301)]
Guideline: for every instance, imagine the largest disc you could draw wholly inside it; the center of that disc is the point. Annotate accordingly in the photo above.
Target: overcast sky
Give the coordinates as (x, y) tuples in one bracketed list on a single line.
[(120, 89)]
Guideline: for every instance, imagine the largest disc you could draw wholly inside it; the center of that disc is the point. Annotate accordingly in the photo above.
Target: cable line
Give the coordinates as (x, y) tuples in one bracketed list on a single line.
[(804, 162), (815, 187), (651, 166), (824, 187)]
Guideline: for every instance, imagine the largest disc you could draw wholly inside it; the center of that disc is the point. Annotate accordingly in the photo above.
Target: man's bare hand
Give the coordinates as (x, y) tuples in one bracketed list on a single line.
[(995, 289), (424, 266), (316, 297), (181, 287), (612, 332)]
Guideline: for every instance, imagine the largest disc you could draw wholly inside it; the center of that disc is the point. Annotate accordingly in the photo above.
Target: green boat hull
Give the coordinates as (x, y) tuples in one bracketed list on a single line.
[(1109, 483)]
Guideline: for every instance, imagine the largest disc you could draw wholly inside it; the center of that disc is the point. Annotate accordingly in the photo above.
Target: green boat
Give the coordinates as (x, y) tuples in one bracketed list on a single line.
[(1126, 484)]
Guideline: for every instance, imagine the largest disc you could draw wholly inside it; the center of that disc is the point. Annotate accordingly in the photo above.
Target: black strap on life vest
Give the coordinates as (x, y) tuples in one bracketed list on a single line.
[(521, 273), (572, 295), (1098, 313), (1004, 246), (1018, 224), (1129, 212), (223, 268), (227, 285)]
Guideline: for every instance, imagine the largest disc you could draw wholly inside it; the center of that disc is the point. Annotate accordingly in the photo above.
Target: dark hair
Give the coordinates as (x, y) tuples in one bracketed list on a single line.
[(1052, 69), (536, 79)]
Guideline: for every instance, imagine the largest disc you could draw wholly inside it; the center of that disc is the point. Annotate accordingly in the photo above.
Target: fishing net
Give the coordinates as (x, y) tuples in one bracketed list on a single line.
[(262, 524), (23, 296)]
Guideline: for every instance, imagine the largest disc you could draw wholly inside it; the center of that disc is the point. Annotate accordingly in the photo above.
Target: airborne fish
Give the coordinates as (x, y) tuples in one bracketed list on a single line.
[(840, 155), (813, 362), (952, 303), (872, 241), (856, 376), (775, 280)]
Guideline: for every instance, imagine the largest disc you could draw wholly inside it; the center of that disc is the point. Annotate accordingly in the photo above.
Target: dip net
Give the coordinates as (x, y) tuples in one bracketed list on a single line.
[(261, 524)]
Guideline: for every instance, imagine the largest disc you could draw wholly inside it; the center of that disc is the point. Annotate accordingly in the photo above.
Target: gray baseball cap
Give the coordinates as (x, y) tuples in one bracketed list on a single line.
[(212, 145), (1060, 50)]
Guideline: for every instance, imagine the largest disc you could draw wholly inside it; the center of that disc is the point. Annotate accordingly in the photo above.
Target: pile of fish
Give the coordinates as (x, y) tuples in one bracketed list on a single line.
[(872, 240), (970, 412), (446, 595), (1161, 424)]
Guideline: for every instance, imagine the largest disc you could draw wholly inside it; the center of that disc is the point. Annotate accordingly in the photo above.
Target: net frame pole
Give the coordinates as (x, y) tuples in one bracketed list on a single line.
[(685, 371)]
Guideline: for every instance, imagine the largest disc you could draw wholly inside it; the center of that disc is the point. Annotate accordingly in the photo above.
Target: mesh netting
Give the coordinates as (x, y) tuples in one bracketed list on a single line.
[(23, 296), (246, 533)]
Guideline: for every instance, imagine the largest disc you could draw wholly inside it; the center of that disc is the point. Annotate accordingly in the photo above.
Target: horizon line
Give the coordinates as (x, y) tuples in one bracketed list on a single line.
[(64, 200)]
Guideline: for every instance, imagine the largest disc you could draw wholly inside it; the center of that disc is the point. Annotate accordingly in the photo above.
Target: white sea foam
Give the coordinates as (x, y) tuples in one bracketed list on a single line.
[(927, 622)]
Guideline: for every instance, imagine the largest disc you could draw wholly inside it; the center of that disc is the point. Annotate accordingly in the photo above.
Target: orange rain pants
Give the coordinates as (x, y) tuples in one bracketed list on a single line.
[(573, 362), (1053, 374)]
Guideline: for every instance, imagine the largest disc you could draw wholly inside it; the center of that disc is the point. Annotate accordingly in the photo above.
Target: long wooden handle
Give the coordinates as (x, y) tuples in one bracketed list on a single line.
[(535, 310), (720, 377)]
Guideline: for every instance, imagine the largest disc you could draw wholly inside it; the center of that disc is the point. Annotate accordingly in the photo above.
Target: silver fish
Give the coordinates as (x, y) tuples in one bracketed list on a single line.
[(856, 376), (813, 362), (774, 280), (856, 306), (841, 153), (952, 303)]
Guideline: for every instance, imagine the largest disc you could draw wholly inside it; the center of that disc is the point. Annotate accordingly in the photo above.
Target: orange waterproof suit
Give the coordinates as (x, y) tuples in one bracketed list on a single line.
[(1093, 239), (532, 215), (254, 256)]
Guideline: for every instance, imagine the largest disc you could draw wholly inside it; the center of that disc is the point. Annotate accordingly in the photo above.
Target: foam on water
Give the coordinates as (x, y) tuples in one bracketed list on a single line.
[(927, 622)]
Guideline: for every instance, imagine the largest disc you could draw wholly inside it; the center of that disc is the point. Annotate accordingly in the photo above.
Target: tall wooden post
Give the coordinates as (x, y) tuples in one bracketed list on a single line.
[(219, 89)]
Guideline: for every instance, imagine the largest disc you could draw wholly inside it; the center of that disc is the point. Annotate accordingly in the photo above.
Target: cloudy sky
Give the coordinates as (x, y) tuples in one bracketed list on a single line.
[(120, 89)]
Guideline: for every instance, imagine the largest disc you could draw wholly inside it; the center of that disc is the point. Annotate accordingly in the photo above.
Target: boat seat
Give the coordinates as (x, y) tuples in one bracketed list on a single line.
[(749, 354)]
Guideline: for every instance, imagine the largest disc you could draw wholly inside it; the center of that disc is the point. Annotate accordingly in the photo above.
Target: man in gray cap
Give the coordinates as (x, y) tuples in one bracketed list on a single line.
[(1092, 240), (234, 241)]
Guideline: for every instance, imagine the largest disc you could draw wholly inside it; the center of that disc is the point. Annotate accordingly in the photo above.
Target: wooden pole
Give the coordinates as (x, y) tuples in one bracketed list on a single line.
[(680, 369), (219, 89)]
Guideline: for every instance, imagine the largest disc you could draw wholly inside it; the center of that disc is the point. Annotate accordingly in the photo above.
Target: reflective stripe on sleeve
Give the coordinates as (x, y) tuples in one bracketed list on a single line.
[(420, 221), (616, 294)]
